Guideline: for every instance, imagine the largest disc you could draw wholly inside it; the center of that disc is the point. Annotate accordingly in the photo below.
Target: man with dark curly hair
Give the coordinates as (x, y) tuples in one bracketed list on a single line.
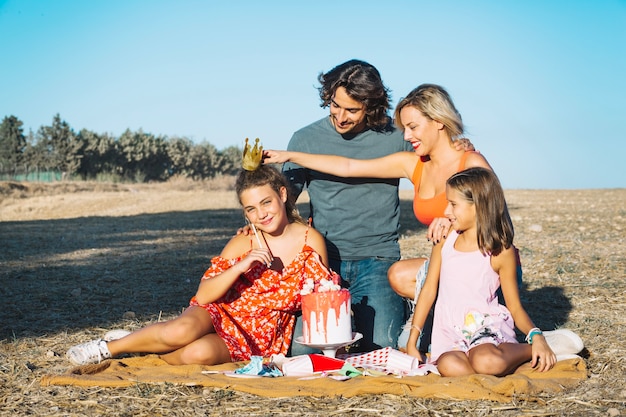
[(359, 217)]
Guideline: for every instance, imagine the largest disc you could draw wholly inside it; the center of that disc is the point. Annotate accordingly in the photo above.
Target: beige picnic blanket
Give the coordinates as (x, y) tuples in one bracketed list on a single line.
[(150, 369)]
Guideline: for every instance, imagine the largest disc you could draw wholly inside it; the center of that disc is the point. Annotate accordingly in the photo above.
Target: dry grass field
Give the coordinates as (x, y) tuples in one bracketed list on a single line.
[(78, 259)]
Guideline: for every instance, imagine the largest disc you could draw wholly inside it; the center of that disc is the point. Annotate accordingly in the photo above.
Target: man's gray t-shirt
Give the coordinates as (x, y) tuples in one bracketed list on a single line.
[(358, 216)]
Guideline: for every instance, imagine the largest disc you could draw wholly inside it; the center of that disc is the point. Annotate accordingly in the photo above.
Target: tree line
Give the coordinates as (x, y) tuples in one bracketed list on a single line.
[(133, 156)]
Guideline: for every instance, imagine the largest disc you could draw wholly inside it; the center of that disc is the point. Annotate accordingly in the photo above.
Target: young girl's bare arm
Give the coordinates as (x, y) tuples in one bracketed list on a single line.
[(212, 289), (425, 301), (505, 265), (317, 242)]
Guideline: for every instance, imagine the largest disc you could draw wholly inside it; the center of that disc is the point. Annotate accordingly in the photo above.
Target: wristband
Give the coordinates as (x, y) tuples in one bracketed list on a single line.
[(534, 331), (419, 329)]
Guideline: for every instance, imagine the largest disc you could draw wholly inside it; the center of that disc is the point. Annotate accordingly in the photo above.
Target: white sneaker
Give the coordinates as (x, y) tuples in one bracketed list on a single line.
[(115, 335), (90, 352), (564, 343)]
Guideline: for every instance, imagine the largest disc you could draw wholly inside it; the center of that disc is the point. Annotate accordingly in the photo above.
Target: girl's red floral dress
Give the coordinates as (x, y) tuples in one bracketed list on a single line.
[(256, 316)]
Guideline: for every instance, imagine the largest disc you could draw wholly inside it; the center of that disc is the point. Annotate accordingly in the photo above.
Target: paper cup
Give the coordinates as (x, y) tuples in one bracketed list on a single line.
[(325, 363), (401, 361), (306, 365)]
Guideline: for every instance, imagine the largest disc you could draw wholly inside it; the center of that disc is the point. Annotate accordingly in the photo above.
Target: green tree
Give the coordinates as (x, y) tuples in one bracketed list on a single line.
[(32, 156), (60, 147), (142, 156), (12, 143), (179, 152), (204, 161), (230, 160), (99, 154)]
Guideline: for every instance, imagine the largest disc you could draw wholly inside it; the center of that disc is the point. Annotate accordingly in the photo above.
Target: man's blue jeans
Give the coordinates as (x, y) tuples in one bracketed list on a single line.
[(378, 311)]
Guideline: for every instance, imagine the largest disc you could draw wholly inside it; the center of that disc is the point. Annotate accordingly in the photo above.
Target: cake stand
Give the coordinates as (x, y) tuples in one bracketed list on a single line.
[(329, 349)]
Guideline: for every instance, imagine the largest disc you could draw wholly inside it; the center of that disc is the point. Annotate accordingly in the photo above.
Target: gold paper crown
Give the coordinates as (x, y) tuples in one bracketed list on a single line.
[(252, 157)]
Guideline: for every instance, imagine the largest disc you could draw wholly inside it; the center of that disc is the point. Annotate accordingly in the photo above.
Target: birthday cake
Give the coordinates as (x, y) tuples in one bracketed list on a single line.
[(326, 312)]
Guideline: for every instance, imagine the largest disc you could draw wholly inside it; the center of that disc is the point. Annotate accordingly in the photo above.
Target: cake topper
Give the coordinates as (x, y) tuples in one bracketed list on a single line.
[(252, 156)]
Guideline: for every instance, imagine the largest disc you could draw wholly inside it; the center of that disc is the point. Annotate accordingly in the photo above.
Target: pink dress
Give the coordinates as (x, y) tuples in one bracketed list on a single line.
[(467, 312), (256, 316)]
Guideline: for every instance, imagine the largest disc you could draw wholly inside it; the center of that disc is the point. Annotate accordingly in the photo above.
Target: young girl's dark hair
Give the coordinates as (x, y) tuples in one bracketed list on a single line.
[(267, 175), (482, 188)]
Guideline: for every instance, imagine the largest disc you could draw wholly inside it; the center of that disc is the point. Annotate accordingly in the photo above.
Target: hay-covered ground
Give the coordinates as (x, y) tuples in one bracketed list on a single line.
[(78, 259)]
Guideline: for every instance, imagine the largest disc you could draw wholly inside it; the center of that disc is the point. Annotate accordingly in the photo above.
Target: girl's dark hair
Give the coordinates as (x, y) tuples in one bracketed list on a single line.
[(362, 83), (268, 175), (481, 187)]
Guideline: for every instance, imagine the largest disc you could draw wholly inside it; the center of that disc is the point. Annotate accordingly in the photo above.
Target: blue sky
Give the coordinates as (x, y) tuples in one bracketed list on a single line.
[(540, 84)]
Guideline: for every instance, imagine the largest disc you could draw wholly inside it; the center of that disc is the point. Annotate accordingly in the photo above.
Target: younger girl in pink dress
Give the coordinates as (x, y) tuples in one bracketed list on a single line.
[(246, 301), (472, 332)]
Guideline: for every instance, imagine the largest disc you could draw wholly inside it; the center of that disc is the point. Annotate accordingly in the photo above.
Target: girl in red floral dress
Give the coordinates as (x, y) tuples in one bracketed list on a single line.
[(247, 300)]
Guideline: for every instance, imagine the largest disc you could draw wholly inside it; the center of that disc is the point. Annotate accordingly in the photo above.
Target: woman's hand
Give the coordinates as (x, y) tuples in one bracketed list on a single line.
[(438, 230), (543, 358)]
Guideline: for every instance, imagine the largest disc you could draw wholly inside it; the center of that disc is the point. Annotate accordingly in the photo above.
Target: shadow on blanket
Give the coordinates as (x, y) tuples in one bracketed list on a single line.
[(150, 369)]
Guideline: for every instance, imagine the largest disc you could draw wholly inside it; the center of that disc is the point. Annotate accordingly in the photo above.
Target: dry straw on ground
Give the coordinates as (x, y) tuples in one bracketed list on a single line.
[(78, 259)]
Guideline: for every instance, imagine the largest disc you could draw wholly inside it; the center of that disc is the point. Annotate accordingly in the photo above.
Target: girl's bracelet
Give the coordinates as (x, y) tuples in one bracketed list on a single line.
[(534, 331), (419, 329)]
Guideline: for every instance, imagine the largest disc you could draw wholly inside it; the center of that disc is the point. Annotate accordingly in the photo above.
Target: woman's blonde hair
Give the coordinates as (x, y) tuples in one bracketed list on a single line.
[(434, 102)]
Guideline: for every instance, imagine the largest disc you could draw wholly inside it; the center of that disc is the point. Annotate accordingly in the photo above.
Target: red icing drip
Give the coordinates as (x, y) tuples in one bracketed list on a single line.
[(321, 303)]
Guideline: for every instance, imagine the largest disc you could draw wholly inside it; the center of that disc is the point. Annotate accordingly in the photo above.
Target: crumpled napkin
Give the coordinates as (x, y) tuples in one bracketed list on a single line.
[(257, 367), (349, 370)]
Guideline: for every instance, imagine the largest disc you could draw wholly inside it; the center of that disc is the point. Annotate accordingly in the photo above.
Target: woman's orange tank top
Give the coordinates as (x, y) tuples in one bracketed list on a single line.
[(427, 209)]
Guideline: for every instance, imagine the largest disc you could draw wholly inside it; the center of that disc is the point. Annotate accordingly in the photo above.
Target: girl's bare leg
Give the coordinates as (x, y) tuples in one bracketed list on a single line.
[(402, 275), (499, 360), (454, 363), (167, 336), (208, 350)]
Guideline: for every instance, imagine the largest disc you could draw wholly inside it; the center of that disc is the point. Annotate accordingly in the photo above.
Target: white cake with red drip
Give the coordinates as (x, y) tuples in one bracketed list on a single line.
[(326, 313)]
